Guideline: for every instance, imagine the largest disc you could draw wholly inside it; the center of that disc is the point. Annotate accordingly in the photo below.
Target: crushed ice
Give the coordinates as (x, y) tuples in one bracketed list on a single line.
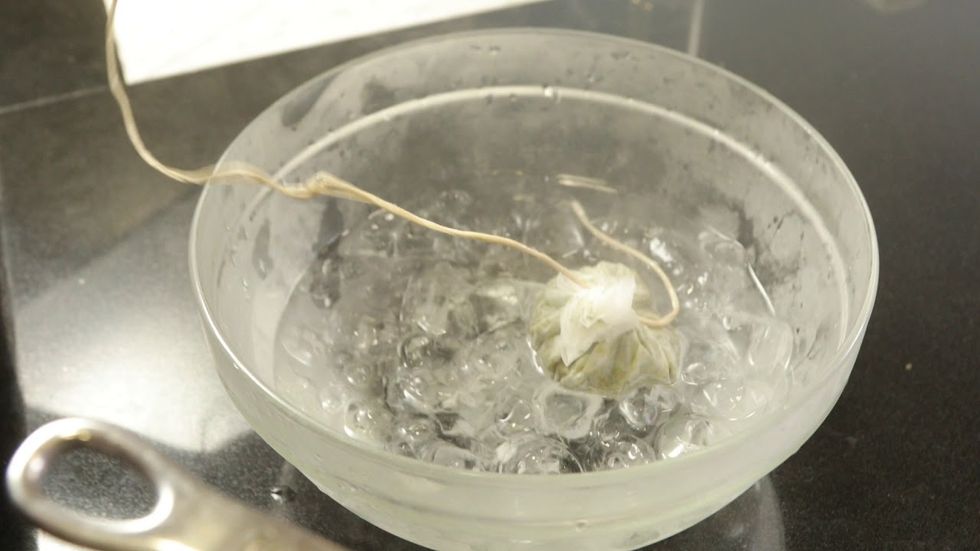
[(419, 344)]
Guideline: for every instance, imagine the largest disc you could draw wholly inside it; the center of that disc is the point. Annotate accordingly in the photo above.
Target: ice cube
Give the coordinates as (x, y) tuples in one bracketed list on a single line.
[(368, 420), (770, 346), (418, 390), (726, 277), (722, 399), (450, 207), (503, 262), (298, 390), (514, 414), (682, 434), (498, 302), (333, 395), (441, 452), (361, 376), (762, 342), (304, 345), (415, 241), (723, 249), (489, 368), (372, 341), (711, 354), (608, 428), (421, 350), (556, 232), (371, 286), (455, 208), (699, 373), (564, 412), (426, 379), (643, 408), (737, 400), (323, 285), (628, 451), (372, 236), (737, 366), (534, 454), (498, 358), (411, 433), (436, 300)]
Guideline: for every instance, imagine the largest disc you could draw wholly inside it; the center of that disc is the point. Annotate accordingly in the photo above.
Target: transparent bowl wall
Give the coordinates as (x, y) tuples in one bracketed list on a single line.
[(665, 128)]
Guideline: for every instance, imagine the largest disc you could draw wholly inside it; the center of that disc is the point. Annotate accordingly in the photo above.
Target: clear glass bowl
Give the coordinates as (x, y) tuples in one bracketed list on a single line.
[(449, 111)]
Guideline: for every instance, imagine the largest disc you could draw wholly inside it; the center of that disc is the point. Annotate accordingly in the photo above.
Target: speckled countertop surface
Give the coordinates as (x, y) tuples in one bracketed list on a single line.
[(99, 318)]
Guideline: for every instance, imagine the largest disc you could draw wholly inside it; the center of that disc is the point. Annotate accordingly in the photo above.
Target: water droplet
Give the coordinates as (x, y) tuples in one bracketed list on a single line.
[(549, 92), (282, 494), (493, 50)]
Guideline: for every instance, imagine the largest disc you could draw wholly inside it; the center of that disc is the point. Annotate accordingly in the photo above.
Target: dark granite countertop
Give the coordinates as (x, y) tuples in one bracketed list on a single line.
[(99, 318)]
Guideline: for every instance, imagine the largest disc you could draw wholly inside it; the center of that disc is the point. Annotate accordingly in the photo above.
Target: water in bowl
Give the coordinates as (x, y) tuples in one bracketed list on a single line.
[(417, 342)]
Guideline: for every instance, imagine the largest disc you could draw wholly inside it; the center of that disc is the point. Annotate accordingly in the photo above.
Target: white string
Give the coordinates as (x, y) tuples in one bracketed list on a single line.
[(323, 183)]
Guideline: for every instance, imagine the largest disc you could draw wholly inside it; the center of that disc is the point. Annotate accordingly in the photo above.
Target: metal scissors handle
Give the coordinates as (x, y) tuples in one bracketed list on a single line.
[(187, 515)]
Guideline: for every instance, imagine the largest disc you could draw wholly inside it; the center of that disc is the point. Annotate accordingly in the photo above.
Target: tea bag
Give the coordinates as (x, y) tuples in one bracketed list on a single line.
[(591, 338)]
